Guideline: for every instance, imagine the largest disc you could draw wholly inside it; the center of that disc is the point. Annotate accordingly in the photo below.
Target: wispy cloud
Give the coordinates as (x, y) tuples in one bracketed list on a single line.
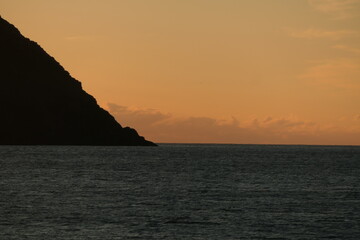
[(339, 73), (161, 127), (339, 9), (84, 38), (347, 49), (312, 33)]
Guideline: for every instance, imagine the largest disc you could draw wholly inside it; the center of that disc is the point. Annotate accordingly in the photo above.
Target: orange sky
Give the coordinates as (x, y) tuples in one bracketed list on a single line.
[(226, 71)]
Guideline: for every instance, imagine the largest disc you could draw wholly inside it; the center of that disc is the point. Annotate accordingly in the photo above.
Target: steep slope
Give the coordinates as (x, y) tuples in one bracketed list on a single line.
[(40, 103)]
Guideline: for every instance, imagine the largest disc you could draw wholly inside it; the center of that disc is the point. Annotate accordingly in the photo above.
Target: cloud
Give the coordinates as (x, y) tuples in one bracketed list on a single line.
[(312, 33), (137, 116), (82, 38), (347, 49), (339, 9), (339, 73), (160, 127)]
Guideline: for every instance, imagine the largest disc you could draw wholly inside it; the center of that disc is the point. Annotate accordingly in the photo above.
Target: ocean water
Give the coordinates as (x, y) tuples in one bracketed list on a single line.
[(180, 192)]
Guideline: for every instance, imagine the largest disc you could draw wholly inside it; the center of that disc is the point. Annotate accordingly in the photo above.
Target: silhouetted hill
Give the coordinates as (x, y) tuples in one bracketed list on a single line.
[(41, 104)]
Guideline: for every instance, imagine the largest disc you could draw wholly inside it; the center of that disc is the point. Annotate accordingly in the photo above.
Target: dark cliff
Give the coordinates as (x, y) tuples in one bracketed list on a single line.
[(41, 104)]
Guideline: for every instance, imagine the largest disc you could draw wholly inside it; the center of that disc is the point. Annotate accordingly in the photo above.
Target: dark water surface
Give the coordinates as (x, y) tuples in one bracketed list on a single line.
[(180, 192)]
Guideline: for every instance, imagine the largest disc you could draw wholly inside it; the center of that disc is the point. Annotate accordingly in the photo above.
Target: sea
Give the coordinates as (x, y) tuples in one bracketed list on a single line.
[(180, 191)]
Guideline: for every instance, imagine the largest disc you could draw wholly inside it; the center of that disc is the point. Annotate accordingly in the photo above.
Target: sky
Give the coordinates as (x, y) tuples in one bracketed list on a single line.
[(210, 71)]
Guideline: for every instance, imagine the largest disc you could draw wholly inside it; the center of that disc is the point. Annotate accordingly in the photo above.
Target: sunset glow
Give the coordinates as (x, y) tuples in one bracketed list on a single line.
[(210, 71)]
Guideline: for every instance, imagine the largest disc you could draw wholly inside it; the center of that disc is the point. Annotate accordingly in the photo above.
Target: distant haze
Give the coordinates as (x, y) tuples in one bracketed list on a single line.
[(200, 71)]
